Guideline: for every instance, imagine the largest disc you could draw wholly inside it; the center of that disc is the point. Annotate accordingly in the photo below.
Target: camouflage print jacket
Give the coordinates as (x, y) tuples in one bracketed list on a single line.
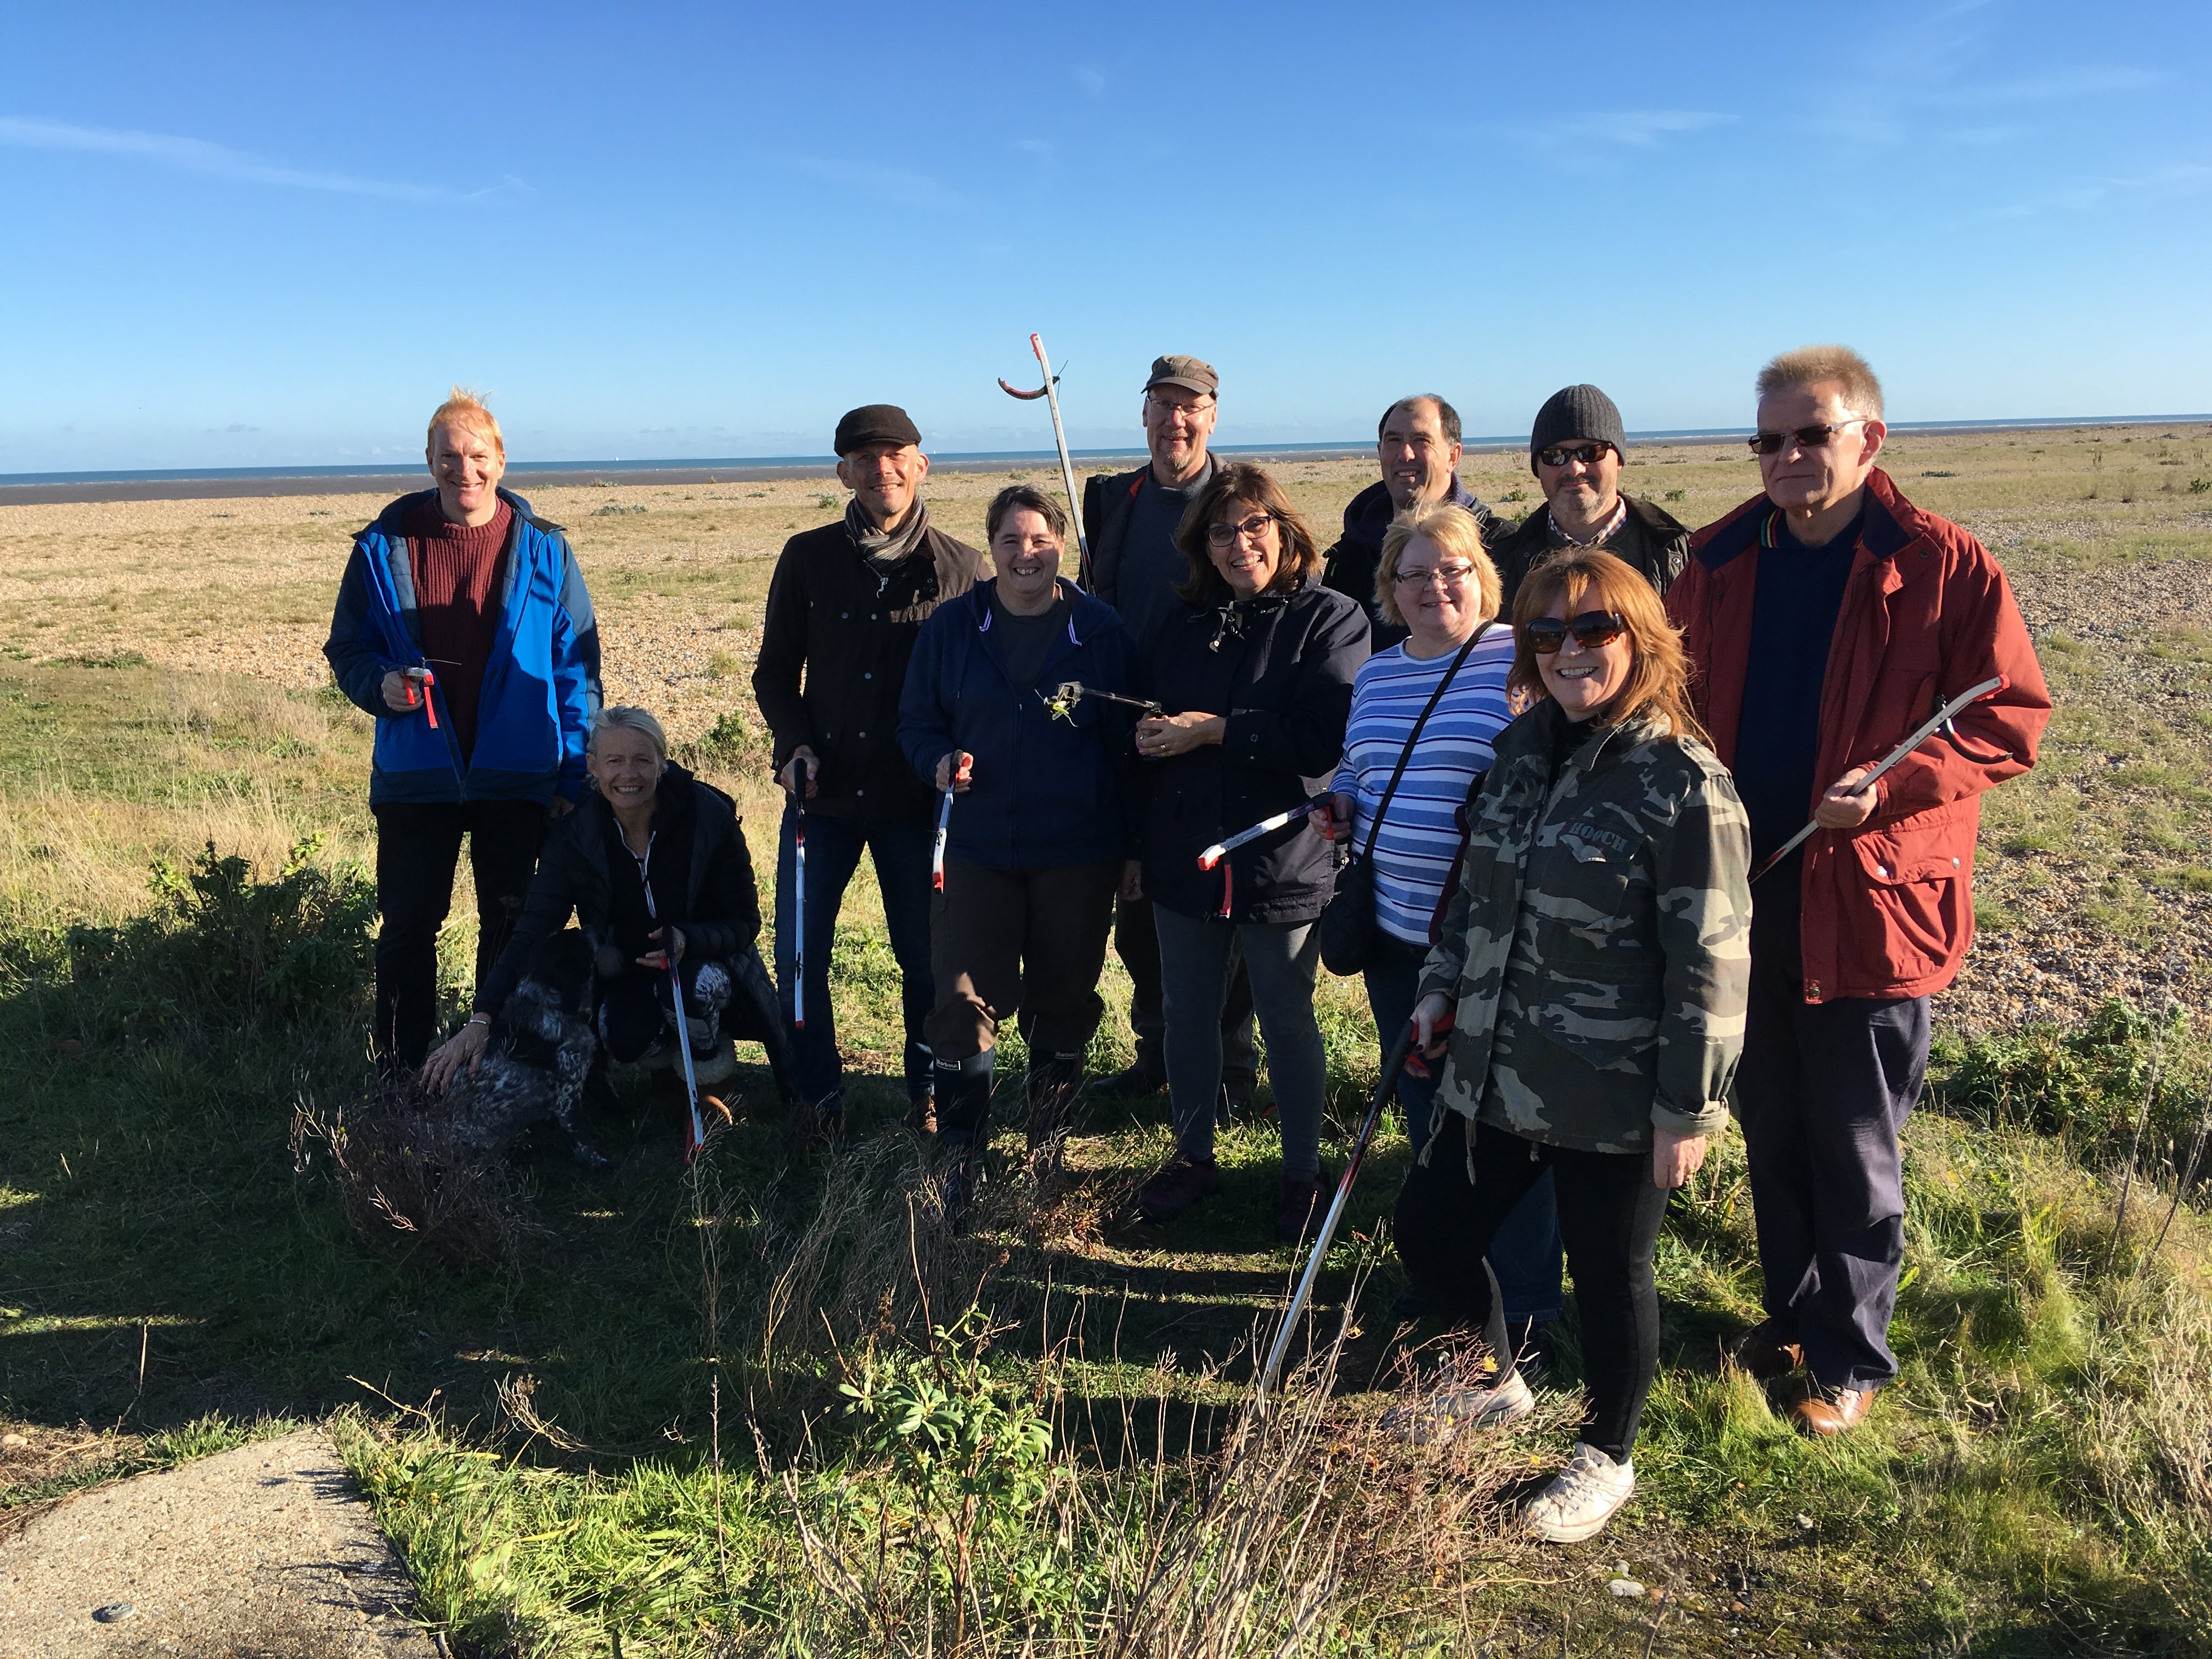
[(1598, 948)]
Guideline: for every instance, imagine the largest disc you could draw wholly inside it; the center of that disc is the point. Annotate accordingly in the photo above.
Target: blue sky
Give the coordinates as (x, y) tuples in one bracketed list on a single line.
[(244, 235)]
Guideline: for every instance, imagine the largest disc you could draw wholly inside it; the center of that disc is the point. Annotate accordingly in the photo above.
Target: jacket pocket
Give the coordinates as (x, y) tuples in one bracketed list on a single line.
[(1915, 886)]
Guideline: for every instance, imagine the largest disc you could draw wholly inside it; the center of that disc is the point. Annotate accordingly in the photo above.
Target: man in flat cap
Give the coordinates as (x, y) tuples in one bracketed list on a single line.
[(1575, 450), (1417, 442), (843, 609), (1130, 519)]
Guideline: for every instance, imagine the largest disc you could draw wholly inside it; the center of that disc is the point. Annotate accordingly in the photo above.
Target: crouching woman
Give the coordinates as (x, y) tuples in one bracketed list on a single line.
[(1587, 995), (654, 867), (1039, 827)]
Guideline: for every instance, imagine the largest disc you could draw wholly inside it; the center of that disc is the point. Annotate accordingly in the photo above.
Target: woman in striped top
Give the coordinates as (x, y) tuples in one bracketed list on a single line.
[(1435, 579)]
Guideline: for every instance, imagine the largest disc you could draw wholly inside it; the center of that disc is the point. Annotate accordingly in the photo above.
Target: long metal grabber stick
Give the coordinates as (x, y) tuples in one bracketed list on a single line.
[(1221, 849), (1050, 393), (683, 1046), (1068, 693), (1936, 722), (1385, 1087), (798, 898)]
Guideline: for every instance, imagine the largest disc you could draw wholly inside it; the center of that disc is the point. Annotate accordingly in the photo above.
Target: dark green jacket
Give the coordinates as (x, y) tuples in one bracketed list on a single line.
[(1599, 947)]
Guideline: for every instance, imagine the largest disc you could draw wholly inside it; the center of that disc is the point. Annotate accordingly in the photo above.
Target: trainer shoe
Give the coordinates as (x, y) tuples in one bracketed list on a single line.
[(1581, 1498), (1460, 1401), (1130, 1083), (1177, 1187)]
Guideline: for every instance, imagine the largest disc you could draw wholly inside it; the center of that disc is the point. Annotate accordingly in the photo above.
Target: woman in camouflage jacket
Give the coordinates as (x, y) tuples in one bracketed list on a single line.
[(1587, 994)]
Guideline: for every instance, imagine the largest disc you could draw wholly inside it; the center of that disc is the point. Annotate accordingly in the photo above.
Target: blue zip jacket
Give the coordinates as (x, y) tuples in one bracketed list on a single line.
[(541, 684), (1048, 791)]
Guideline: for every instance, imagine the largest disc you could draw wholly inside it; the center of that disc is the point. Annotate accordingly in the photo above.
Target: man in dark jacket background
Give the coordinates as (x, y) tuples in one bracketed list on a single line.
[(1130, 519), (843, 609), (1418, 444), (1575, 449), (464, 626), (1825, 618)]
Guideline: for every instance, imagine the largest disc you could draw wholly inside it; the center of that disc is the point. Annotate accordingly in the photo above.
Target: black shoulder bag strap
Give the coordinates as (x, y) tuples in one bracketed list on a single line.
[(1407, 753)]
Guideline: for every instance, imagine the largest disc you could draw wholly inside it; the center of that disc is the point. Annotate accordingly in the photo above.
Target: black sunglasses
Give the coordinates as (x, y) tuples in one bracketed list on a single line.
[(1560, 455), (1592, 630), (1806, 437)]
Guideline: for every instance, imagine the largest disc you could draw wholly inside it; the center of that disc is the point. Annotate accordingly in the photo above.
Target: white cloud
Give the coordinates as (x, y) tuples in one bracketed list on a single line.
[(198, 155), (892, 185), (1641, 128), (1090, 80)]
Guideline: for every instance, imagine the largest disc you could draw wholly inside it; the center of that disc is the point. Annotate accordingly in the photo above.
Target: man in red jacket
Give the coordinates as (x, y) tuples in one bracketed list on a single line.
[(1826, 618)]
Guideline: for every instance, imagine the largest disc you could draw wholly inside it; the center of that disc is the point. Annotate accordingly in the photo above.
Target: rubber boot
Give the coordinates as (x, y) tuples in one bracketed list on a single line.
[(1054, 1082), (963, 1127)]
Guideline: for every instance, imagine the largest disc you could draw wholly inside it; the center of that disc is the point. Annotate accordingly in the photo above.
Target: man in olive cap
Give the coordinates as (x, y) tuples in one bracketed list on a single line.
[(843, 609), (1575, 450), (1130, 519)]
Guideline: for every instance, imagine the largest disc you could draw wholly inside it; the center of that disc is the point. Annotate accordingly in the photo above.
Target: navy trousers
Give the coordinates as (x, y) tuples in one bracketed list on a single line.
[(1823, 1091)]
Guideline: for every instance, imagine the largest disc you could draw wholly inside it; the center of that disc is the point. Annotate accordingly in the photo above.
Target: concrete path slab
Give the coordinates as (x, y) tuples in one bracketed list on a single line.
[(269, 1552)]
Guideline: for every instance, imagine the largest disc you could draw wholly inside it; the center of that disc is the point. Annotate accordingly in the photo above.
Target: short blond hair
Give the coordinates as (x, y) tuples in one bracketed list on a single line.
[(629, 718), (1812, 363), (1454, 531), (466, 409)]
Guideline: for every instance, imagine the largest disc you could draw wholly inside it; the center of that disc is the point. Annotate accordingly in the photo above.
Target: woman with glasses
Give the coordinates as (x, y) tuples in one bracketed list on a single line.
[(1254, 679), (1395, 800), (1588, 998)]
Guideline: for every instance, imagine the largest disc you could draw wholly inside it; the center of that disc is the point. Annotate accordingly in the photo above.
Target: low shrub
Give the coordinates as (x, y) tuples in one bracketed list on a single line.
[(221, 949)]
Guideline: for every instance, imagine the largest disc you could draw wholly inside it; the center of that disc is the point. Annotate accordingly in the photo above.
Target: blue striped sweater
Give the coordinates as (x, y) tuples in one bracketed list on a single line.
[(1413, 855)]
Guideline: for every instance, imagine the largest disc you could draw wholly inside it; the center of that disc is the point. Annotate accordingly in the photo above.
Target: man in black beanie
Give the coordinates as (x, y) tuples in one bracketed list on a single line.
[(1575, 451), (843, 609)]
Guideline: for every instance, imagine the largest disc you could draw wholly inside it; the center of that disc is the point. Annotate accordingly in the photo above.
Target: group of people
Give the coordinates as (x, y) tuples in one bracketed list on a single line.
[(1530, 781)]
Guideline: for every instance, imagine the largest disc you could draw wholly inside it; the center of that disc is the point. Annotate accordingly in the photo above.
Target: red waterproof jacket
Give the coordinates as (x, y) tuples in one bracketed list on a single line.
[(1888, 908)]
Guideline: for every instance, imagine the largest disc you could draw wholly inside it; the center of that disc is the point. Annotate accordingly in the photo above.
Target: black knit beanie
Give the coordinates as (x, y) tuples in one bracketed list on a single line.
[(1576, 413)]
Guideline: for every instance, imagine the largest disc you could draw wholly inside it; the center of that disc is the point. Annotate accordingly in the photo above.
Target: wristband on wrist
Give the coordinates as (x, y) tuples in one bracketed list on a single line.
[(479, 1018)]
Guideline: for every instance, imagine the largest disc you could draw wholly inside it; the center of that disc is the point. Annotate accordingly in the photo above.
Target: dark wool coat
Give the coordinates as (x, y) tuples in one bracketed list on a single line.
[(1350, 565), (833, 661), (1280, 669)]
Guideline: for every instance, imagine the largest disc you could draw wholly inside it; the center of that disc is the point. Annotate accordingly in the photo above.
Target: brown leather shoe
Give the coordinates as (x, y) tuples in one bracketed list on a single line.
[(1768, 1350), (1824, 1411)]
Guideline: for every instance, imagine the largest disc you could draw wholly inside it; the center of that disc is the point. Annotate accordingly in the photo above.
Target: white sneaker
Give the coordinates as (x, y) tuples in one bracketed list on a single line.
[(1581, 1499), (1452, 1407)]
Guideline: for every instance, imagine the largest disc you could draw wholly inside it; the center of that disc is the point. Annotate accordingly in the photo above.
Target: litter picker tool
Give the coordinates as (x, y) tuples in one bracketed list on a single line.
[(799, 900), (1939, 721), (1221, 849), (960, 774), (1068, 693), (1050, 393), (683, 1046), (1385, 1087)]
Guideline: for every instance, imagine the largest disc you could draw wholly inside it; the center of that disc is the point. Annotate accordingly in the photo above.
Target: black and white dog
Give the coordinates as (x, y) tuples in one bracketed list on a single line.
[(540, 1053)]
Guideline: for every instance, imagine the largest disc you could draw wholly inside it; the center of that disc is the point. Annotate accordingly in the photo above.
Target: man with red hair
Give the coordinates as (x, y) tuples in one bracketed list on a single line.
[(463, 624), (1828, 618)]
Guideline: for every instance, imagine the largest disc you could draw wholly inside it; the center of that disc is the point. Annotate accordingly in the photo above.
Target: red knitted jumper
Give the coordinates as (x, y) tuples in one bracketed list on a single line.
[(455, 568)]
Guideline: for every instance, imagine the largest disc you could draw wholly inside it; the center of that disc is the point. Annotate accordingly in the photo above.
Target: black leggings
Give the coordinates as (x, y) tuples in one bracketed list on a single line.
[(1609, 1217)]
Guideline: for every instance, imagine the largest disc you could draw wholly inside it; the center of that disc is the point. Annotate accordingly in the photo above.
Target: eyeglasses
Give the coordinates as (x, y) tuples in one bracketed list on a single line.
[(1225, 535), (1446, 576), (1560, 455), (1592, 630), (1805, 437)]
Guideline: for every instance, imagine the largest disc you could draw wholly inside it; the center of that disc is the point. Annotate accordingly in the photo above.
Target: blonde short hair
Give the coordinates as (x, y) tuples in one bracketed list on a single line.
[(630, 720), (1809, 364), (465, 410), (1454, 531)]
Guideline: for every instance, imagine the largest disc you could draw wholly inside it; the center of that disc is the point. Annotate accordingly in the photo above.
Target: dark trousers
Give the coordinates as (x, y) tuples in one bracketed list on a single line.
[(1525, 1255), (1823, 1090), (1137, 942), (900, 851), (1002, 940), (1609, 1216), (418, 848), (637, 1010)]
